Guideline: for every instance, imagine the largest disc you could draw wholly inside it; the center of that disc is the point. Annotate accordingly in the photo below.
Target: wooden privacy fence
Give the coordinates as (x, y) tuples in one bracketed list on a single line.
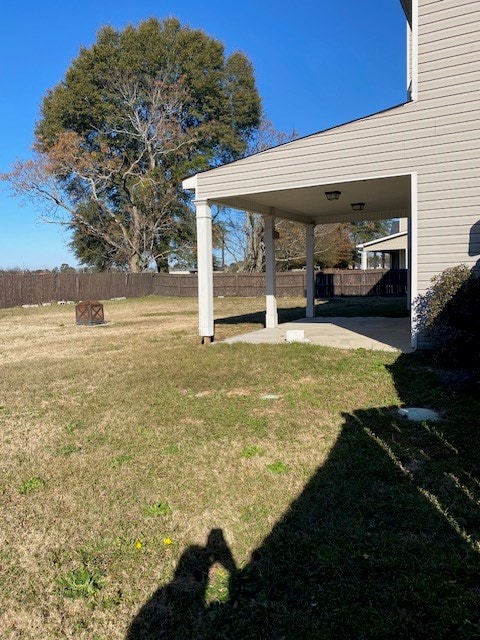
[(40, 288), (289, 284), (370, 282), (328, 283), (18, 289)]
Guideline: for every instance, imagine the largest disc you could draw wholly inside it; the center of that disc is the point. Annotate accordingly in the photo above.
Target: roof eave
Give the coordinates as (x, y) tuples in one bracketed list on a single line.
[(190, 184), (407, 7), (384, 239)]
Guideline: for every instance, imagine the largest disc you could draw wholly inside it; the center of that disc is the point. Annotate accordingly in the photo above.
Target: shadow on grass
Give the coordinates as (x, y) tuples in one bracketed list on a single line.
[(382, 542), (363, 306), (284, 315), (333, 307)]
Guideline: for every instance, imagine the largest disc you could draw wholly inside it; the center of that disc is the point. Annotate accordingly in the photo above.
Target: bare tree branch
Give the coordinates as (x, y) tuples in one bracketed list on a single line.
[(132, 194)]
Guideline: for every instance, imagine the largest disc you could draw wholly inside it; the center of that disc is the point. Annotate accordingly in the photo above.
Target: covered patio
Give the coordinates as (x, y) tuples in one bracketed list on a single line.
[(364, 198), (382, 334)]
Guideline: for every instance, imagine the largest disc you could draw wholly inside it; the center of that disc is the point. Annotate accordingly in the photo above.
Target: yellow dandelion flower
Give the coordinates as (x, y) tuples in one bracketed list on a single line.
[(167, 541), (138, 544)]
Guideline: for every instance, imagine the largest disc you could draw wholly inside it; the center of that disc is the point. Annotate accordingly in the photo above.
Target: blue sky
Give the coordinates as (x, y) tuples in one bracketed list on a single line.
[(317, 64)]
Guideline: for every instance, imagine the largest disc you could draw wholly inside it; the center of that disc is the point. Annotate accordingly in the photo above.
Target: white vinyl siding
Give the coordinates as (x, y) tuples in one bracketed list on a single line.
[(449, 187), (366, 147)]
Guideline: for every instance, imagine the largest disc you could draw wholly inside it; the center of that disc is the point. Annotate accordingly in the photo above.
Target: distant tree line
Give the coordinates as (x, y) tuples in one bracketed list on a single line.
[(63, 268)]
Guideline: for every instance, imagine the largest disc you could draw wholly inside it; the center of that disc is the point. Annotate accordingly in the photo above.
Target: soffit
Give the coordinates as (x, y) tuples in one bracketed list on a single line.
[(383, 197)]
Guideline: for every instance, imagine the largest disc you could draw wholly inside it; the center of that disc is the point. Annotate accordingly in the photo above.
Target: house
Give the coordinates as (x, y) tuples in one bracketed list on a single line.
[(419, 160), (394, 245)]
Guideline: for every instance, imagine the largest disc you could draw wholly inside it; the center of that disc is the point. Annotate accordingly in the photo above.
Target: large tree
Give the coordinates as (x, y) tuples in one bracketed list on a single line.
[(137, 112)]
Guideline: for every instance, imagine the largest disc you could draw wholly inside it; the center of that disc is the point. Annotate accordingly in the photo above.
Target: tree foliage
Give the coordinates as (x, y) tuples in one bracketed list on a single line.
[(137, 112), (332, 245), (367, 230)]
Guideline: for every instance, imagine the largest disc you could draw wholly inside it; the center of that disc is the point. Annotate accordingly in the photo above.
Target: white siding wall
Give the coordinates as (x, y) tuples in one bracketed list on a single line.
[(438, 137), (449, 89), (371, 147)]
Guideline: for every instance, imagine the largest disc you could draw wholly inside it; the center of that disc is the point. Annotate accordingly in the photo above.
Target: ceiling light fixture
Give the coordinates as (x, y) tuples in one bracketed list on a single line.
[(333, 195), (358, 206)]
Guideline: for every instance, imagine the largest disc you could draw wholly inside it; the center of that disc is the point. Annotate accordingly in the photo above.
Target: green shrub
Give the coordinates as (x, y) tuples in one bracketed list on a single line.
[(448, 315)]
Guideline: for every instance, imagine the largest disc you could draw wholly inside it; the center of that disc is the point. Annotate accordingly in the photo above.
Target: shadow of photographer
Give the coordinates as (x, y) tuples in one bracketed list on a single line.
[(177, 610)]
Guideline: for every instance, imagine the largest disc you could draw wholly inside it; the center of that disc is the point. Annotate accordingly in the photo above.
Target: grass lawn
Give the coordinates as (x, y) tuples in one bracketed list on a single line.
[(151, 488)]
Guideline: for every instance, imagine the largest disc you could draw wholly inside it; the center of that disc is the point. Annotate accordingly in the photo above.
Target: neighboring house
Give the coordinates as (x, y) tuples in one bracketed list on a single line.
[(419, 160), (395, 245)]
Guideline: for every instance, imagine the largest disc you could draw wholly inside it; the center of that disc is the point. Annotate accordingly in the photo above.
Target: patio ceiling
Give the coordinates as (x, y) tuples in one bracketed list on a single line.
[(388, 197)]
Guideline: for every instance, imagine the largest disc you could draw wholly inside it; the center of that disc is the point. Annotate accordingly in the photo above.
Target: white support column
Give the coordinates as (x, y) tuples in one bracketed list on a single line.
[(412, 252), (205, 270), (310, 274), (271, 319), (364, 260), (408, 253)]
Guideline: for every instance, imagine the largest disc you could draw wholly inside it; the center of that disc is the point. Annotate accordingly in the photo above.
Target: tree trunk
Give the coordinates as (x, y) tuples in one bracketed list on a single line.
[(255, 253), (161, 258), (134, 263), (162, 264)]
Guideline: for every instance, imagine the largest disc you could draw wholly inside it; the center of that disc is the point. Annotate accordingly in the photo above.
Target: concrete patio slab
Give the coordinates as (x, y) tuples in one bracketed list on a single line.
[(384, 334)]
